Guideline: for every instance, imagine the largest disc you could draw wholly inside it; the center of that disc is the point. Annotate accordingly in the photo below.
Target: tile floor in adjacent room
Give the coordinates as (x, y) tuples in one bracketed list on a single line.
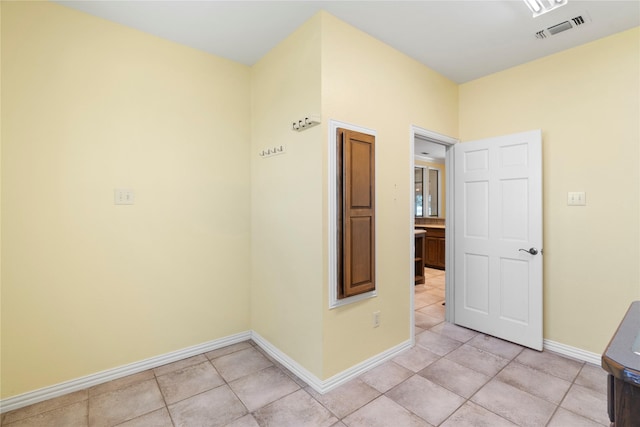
[(453, 377)]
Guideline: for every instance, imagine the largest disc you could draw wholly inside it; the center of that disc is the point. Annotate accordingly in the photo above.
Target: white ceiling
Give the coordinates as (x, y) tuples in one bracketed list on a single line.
[(462, 40), (428, 151)]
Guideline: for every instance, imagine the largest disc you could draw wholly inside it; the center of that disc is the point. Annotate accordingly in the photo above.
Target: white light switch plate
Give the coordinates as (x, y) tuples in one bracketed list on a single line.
[(576, 198), (123, 196)]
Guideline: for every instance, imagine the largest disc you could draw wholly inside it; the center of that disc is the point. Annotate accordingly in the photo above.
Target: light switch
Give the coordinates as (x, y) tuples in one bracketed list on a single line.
[(576, 198), (123, 196)]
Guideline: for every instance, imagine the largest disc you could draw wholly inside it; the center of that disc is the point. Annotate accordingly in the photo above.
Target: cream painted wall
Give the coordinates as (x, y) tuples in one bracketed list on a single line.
[(221, 240), (369, 84), (286, 199), (89, 106), (587, 102), (443, 181)]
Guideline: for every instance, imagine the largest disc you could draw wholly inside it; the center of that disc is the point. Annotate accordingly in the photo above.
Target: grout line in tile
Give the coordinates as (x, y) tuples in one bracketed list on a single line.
[(166, 406), (558, 406), (237, 397), (4, 415), (568, 390), (477, 404), (553, 414)]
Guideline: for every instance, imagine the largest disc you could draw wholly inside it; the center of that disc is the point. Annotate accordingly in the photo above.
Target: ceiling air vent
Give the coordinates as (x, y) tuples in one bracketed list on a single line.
[(558, 28), (541, 35), (578, 20), (563, 26)]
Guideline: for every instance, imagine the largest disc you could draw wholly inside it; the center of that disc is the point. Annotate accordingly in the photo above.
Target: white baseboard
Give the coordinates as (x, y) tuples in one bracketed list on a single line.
[(321, 386), (81, 383), (576, 353), (300, 371), (360, 368)]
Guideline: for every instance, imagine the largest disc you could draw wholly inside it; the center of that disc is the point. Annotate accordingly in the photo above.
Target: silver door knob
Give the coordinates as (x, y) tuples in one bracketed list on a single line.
[(532, 251)]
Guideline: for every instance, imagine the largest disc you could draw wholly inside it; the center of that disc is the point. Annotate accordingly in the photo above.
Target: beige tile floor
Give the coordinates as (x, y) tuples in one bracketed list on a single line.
[(453, 377)]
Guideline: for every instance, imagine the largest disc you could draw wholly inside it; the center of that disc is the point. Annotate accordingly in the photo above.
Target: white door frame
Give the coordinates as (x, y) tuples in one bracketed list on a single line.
[(448, 142)]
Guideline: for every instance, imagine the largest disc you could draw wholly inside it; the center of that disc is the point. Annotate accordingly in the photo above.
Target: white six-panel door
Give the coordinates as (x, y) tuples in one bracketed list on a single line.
[(498, 219)]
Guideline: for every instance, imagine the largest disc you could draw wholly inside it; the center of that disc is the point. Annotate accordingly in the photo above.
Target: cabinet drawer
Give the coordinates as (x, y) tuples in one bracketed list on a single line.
[(435, 232)]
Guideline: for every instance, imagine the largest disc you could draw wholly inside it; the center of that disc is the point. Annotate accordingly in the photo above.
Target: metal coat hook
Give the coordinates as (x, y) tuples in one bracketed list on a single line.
[(305, 123)]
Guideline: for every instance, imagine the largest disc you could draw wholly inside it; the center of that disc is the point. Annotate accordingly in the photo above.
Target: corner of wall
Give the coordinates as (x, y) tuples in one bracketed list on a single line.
[(286, 198)]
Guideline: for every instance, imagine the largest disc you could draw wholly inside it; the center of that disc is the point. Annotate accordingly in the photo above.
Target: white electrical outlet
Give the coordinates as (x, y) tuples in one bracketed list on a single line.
[(376, 319), (576, 198), (123, 196)]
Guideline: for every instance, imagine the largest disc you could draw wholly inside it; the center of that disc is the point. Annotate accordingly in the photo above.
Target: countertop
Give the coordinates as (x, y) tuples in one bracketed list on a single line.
[(619, 359), (419, 231), (430, 226)]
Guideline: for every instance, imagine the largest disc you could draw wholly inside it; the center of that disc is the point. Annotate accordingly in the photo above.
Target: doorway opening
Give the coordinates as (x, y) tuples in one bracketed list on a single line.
[(432, 172)]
